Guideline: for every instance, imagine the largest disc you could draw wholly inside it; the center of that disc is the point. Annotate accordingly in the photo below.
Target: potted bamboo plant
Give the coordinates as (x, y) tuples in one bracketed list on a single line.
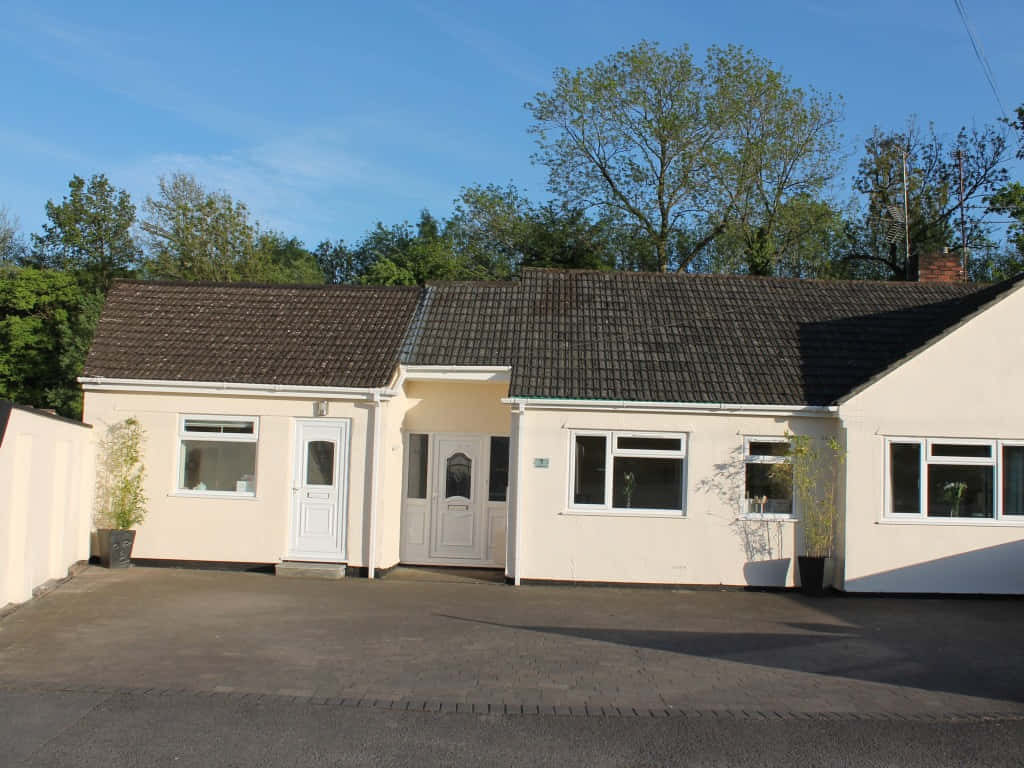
[(120, 501), (815, 465)]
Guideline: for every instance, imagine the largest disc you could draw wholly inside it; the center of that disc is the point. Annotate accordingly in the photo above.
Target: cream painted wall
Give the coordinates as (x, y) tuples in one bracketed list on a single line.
[(46, 487), (710, 545), (966, 385), (234, 530)]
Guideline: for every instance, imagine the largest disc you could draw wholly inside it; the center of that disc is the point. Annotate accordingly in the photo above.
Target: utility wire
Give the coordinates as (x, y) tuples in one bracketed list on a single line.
[(979, 53)]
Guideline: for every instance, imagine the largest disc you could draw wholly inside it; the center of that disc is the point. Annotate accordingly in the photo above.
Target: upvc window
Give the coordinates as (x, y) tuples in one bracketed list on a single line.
[(767, 477), (218, 455), (627, 472), (954, 478)]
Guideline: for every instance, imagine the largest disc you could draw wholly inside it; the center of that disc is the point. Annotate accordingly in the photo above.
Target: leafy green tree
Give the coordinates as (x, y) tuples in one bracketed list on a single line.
[(89, 233), (194, 234), (283, 259), (12, 247), (339, 264), (46, 325), (498, 230), (680, 151), (876, 240), (401, 255), (1009, 201)]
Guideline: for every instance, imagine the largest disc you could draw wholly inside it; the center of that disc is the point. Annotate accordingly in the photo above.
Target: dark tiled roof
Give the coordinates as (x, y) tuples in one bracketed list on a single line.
[(339, 336), (721, 339), (566, 334), (467, 323)]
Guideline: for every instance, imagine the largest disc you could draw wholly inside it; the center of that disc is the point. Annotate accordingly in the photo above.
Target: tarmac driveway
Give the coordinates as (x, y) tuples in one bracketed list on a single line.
[(486, 647)]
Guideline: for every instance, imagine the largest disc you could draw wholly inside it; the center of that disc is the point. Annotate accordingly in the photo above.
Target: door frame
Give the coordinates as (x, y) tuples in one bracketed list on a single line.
[(428, 503), (342, 473)]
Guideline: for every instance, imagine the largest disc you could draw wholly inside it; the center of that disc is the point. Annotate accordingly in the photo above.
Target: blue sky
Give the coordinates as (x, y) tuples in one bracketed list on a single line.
[(326, 117)]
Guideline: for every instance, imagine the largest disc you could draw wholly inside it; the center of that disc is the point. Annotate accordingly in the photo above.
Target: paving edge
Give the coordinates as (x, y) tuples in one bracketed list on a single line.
[(452, 706)]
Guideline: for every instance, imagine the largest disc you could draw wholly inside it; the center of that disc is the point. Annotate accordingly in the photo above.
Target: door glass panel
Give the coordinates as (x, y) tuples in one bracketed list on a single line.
[(417, 466), (498, 485), (320, 462), (458, 476)]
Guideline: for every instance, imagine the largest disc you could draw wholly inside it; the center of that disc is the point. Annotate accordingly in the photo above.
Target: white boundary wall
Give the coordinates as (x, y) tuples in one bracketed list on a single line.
[(47, 469)]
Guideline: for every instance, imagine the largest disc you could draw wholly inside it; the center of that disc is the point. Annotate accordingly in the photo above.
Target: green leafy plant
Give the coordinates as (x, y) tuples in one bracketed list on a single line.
[(954, 494), (120, 500), (628, 487), (814, 467)]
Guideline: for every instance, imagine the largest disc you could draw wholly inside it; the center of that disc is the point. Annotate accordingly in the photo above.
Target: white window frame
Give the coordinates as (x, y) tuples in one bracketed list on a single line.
[(215, 437), (611, 451), (926, 457), (748, 459)]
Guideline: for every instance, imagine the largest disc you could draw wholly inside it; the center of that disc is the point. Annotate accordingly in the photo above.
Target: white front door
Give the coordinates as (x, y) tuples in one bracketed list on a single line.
[(459, 514), (319, 489)]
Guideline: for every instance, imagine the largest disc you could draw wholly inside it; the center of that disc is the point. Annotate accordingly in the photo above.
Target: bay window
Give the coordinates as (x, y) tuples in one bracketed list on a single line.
[(627, 472), (954, 478), (217, 455)]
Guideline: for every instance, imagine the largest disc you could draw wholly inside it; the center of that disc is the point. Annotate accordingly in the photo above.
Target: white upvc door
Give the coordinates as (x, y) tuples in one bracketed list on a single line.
[(319, 490), (459, 514)]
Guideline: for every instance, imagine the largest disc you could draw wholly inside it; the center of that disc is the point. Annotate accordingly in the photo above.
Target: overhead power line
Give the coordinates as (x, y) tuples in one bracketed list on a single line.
[(979, 54)]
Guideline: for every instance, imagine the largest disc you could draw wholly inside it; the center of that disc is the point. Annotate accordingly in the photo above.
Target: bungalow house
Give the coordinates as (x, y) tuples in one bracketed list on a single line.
[(576, 426)]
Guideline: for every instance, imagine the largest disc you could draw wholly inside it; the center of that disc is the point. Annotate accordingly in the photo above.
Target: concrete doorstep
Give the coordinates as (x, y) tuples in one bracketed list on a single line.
[(298, 570)]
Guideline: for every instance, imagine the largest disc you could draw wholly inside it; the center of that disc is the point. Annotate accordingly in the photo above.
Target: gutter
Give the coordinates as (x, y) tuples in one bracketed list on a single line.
[(104, 384), (645, 406)]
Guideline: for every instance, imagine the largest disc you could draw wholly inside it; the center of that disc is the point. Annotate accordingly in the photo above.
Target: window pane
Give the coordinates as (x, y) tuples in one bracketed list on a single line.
[(498, 481), (588, 482), (1013, 480), (647, 483), (650, 443), (905, 478), (217, 466), (320, 463), (959, 491), (458, 476), (417, 466), (972, 451), (769, 489), (220, 427), (768, 448)]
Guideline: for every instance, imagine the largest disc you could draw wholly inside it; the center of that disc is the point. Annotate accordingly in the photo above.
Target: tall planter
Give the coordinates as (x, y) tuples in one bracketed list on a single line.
[(815, 574), (115, 547)]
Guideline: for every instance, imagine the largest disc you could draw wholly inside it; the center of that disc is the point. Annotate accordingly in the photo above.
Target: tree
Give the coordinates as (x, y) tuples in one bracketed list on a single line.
[(680, 151), (339, 264), (498, 230), (89, 233), (403, 256), (194, 234), (877, 243), (1009, 201), (12, 247), (46, 325)]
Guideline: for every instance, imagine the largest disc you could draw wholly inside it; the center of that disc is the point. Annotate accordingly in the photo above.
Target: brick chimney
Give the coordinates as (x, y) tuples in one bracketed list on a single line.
[(942, 267)]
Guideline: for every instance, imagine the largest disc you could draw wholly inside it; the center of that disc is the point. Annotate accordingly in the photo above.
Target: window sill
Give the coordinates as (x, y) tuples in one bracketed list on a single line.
[(770, 518), (965, 522), (213, 495), (671, 513)]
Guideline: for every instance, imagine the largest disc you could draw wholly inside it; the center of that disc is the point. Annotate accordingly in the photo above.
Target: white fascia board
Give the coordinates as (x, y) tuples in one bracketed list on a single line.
[(456, 373), (103, 384), (638, 406)]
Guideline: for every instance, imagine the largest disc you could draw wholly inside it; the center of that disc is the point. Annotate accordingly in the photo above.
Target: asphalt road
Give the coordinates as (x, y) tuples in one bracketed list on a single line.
[(39, 728)]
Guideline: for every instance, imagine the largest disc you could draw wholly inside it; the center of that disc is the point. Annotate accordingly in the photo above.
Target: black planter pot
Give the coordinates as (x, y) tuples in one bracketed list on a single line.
[(815, 575), (115, 547)]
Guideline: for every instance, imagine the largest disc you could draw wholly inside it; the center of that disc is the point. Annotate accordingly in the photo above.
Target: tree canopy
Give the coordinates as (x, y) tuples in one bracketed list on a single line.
[(682, 151), (89, 233)]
